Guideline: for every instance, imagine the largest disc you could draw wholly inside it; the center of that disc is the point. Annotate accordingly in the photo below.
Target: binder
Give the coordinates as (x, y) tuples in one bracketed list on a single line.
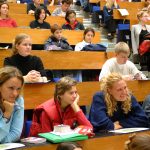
[(65, 138)]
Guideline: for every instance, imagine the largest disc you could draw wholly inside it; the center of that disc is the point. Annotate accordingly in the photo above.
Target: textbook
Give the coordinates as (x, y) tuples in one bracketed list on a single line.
[(55, 138), (123, 12)]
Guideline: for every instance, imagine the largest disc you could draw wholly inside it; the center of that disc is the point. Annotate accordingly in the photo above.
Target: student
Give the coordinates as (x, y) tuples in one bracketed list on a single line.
[(138, 31), (30, 66), (138, 142), (88, 36), (71, 22), (69, 146), (11, 105), (114, 107), (39, 22), (108, 17), (61, 11), (31, 7), (5, 20), (56, 41), (121, 64), (62, 109)]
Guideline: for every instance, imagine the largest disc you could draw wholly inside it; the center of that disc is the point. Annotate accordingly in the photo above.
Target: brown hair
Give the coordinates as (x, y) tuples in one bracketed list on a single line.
[(88, 30), (122, 47), (68, 13), (7, 73), (63, 85), (55, 27), (141, 13), (2, 3), (138, 142), (18, 40), (69, 2)]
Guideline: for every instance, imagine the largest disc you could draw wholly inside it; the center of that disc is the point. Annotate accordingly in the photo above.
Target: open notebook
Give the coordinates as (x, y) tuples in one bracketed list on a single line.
[(123, 12)]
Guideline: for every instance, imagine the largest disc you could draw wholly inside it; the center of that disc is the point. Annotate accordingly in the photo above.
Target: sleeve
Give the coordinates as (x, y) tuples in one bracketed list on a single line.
[(133, 40), (63, 26), (98, 114), (136, 117), (7, 62), (14, 23), (82, 120), (17, 123), (48, 44), (78, 47), (55, 12), (107, 16), (105, 70), (29, 7)]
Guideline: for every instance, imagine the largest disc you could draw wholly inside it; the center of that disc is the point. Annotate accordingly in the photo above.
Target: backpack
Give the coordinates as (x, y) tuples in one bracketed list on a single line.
[(94, 47)]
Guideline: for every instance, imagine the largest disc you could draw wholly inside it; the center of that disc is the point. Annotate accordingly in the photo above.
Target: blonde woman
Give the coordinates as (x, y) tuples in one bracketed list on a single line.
[(114, 107), (108, 17)]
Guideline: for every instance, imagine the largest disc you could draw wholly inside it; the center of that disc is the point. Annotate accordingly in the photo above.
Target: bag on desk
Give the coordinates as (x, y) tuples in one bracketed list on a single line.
[(144, 47), (94, 47)]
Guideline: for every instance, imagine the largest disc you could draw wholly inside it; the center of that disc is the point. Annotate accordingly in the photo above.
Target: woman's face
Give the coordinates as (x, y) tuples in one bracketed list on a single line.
[(42, 14), (4, 9), (145, 18), (10, 90), (119, 90), (72, 18), (89, 37), (58, 34), (68, 97), (24, 48)]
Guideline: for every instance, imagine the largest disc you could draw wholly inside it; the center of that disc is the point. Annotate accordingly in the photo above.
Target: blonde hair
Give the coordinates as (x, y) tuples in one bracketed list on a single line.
[(138, 142), (110, 3), (141, 13), (18, 40), (106, 84), (122, 47), (63, 85)]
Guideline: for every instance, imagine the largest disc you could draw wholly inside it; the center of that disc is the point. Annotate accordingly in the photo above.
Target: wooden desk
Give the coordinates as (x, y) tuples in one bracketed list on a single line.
[(116, 142), (39, 36), (35, 94)]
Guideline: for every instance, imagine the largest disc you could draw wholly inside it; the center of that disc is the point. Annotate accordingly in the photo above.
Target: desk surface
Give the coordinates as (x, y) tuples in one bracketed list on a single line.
[(104, 143)]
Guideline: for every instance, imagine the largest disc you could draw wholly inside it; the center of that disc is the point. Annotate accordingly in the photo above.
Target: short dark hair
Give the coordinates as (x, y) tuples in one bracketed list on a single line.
[(38, 12), (69, 2), (87, 30), (68, 146), (55, 27), (68, 13)]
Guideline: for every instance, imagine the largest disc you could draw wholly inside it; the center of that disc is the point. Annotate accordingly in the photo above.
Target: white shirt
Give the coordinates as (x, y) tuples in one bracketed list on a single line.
[(80, 45), (111, 66)]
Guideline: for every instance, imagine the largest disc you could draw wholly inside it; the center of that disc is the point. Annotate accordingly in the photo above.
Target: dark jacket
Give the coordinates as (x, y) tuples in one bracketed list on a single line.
[(77, 26), (36, 24), (53, 44), (49, 114), (101, 121)]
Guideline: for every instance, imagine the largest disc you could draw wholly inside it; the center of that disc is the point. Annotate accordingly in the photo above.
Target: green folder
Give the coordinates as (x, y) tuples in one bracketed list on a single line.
[(65, 138)]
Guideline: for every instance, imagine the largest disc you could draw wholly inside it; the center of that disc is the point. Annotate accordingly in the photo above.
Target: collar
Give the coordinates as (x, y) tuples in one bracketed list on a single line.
[(72, 25)]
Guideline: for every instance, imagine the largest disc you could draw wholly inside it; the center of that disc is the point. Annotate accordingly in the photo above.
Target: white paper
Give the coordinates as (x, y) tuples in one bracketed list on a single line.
[(63, 133), (10, 146), (128, 130), (123, 12)]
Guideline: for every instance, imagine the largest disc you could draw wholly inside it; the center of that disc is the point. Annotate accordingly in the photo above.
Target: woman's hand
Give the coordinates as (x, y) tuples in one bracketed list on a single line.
[(117, 125), (75, 105), (9, 106)]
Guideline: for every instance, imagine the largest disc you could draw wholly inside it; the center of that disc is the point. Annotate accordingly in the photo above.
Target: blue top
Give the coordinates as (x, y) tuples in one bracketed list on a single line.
[(101, 121), (10, 130)]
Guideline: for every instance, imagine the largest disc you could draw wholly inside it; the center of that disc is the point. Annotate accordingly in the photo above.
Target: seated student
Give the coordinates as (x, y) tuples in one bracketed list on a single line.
[(56, 41), (40, 16), (62, 109), (30, 66), (88, 36), (11, 105), (121, 64), (138, 142), (69, 146), (72, 23), (5, 20), (61, 11), (114, 107), (31, 7), (108, 17)]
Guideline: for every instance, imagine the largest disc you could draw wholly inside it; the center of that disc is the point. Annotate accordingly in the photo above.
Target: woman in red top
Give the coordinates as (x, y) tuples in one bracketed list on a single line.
[(62, 109), (5, 20)]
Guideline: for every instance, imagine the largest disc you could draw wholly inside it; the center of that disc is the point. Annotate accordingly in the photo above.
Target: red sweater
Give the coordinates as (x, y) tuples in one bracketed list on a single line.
[(49, 114), (8, 23)]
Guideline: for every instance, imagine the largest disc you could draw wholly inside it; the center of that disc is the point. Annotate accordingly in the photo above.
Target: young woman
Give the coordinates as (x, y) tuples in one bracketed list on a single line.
[(69, 146), (108, 17), (5, 20), (115, 107), (71, 22), (62, 109), (138, 31), (40, 16), (30, 66), (56, 41), (88, 36), (11, 104)]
